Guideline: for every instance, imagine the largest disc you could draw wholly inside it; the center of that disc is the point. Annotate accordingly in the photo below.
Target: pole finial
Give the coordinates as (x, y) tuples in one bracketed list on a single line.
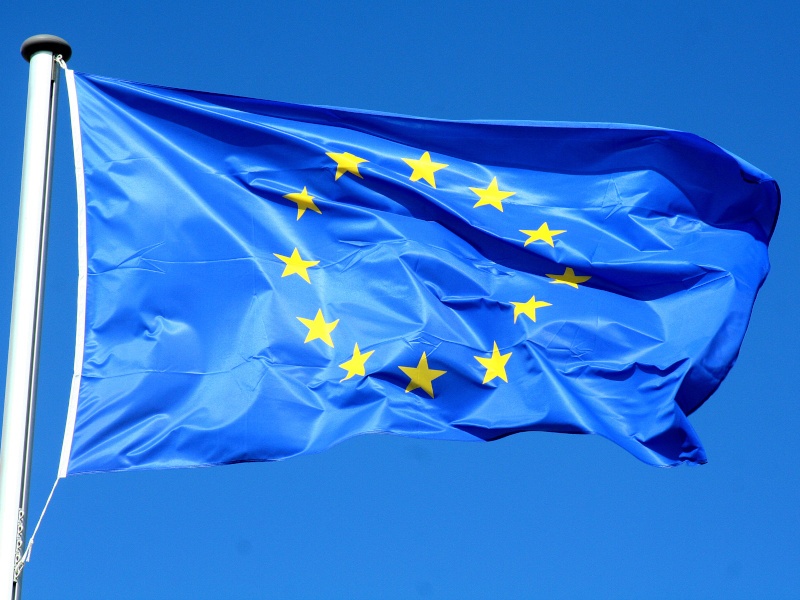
[(52, 43)]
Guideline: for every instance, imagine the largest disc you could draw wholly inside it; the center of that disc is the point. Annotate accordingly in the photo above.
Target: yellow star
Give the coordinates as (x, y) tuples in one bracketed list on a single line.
[(424, 168), (355, 366), (421, 376), (491, 196), (296, 265), (495, 365), (346, 163), (304, 200), (544, 233), (318, 329), (569, 278), (528, 308)]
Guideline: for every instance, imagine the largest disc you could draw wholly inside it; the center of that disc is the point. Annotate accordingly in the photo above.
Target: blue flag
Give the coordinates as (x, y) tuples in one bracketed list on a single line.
[(261, 280)]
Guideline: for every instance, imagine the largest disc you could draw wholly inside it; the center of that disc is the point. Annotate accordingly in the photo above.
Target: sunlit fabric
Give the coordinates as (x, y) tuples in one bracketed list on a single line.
[(266, 280)]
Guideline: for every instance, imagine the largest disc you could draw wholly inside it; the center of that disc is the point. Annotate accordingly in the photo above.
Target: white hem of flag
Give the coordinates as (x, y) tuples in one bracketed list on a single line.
[(80, 327)]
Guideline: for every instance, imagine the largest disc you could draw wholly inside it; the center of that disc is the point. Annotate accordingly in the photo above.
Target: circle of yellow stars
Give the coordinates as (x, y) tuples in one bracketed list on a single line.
[(421, 376)]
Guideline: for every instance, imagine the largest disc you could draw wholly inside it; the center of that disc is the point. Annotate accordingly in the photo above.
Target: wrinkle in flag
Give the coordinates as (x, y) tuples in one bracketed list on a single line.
[(263, 280)]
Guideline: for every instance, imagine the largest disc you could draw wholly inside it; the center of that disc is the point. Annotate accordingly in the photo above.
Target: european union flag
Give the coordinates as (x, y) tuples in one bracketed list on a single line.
[(261, 280)]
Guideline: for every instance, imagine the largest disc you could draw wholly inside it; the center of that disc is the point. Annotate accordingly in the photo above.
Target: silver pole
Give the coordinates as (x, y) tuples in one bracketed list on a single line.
[(26, 305)]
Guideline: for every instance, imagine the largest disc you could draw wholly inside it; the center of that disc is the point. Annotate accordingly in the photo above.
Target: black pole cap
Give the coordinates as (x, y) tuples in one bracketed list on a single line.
[(51, 43)]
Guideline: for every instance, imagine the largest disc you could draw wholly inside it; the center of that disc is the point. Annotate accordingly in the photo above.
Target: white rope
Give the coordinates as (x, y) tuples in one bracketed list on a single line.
[(26, 556)]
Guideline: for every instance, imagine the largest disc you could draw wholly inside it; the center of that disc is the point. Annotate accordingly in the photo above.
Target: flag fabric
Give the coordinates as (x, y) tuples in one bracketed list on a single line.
[(260, 280)]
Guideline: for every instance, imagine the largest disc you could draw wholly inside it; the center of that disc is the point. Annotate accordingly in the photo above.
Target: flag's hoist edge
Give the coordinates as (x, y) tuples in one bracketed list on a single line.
[(77, 149)]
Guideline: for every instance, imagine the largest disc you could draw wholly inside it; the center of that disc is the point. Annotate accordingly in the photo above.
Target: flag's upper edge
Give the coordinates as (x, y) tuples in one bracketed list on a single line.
[(509, 122), (504, 122)]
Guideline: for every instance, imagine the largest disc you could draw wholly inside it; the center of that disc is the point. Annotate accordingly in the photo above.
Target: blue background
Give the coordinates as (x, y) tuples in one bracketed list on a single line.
[(535, 514)]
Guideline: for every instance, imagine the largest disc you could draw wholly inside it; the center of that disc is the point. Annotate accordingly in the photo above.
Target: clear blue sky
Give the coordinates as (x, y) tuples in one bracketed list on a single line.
[(533, 515)]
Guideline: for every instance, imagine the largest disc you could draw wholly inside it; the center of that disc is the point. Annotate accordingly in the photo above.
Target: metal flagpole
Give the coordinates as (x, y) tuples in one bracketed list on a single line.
[(26, 306)]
